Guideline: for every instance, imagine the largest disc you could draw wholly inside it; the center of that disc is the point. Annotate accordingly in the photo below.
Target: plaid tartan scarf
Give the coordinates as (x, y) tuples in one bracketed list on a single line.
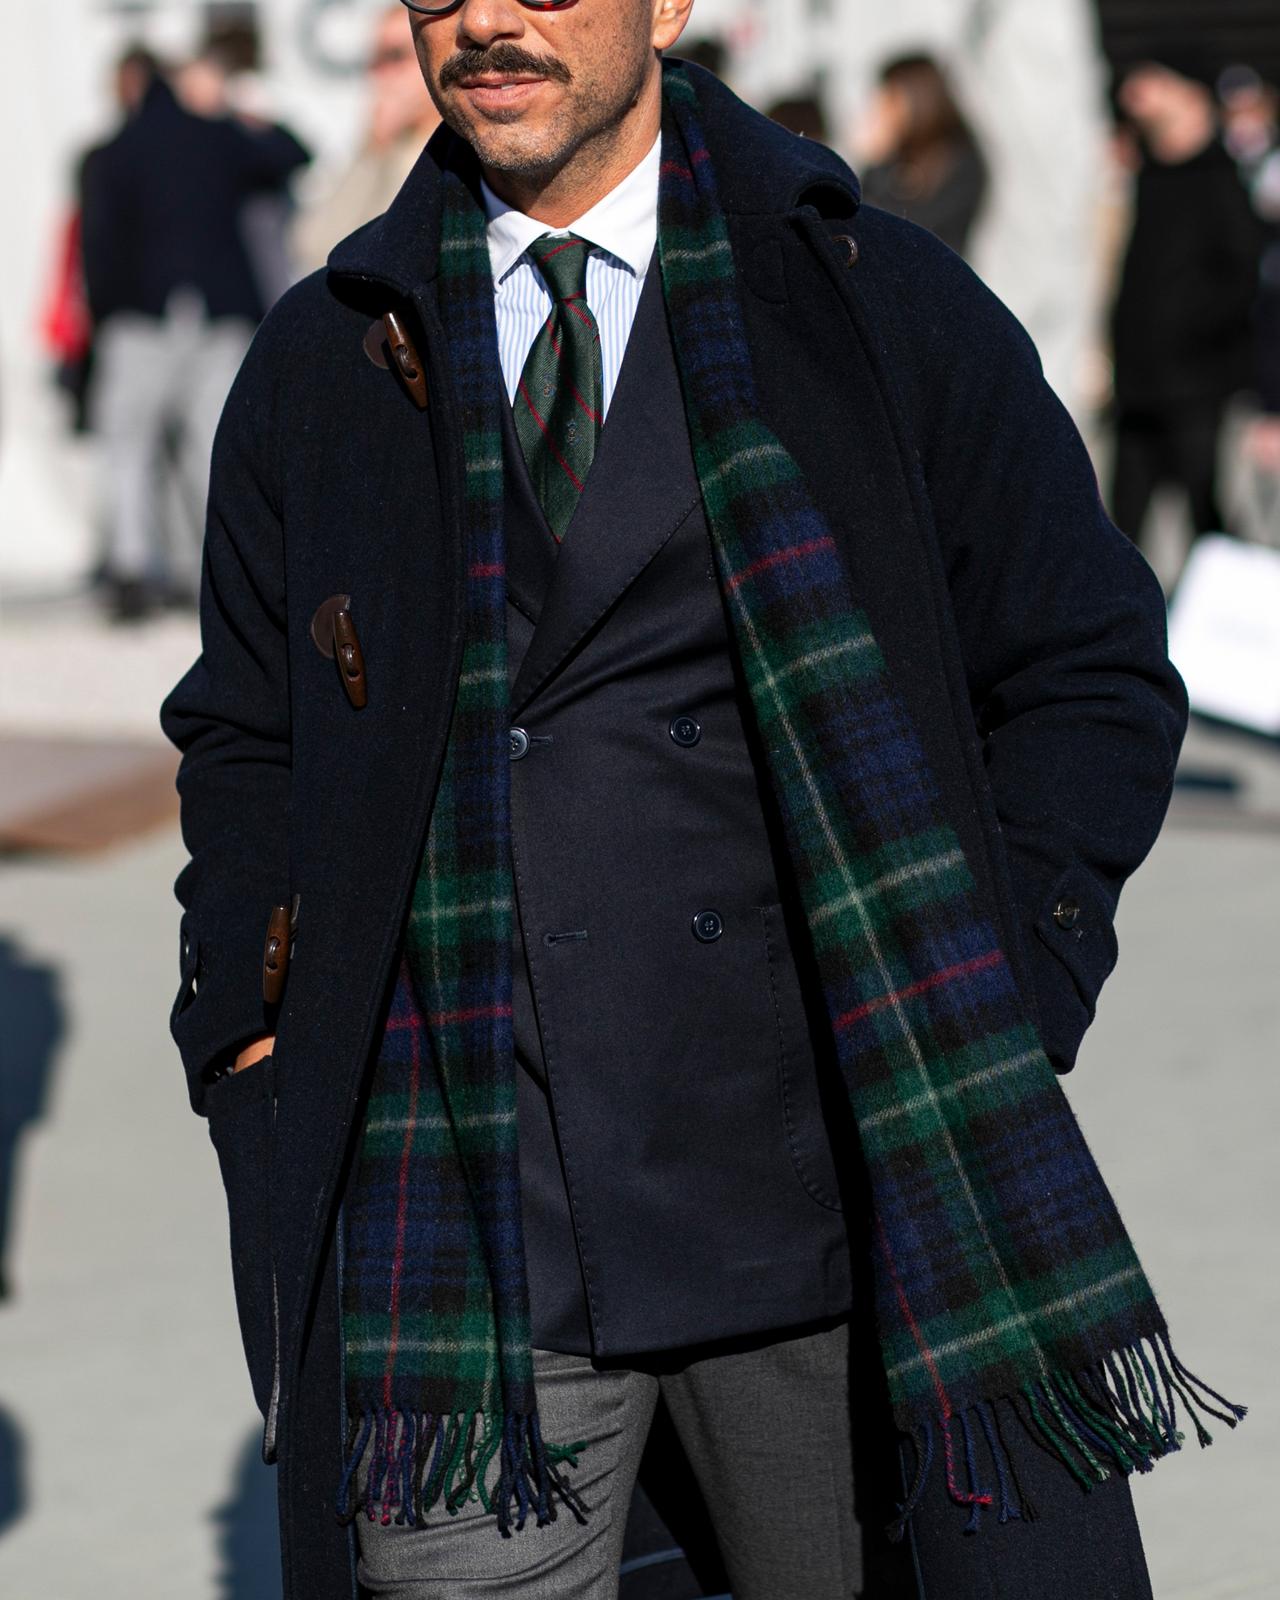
[(1003, 1270)]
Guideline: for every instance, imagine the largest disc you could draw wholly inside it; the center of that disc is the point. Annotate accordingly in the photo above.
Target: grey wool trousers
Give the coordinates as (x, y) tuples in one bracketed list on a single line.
[(767, 1432), (801, 1471)]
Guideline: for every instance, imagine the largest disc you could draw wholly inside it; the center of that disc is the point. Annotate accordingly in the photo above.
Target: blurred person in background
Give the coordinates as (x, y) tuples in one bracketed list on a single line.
[(224, 80), (1252, 134), (66, 327), (67, 323), (174, 299), (1263, 434), (920, 158), (1249, 128), (709, 51), (1181, 327), (1261, 442), (802, 115), (402, 118)]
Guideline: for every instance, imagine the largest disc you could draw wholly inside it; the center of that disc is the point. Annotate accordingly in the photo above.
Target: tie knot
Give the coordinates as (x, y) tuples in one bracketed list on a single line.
[(562, 261)]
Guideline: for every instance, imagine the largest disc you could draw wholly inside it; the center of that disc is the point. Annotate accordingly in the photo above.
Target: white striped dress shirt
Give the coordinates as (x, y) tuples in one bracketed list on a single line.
[(624, 229)]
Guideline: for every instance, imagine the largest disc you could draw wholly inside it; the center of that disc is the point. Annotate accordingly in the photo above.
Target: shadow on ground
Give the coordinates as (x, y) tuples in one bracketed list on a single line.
[(13, 1474), (248, 1535), (32, 1009)]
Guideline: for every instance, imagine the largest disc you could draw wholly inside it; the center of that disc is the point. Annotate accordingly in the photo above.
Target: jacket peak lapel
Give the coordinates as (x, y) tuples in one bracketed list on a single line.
[(638, 492)]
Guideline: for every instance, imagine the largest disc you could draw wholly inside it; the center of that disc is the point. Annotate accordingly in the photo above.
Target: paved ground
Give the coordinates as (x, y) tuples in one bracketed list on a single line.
[(127, 1433), (64, 670)]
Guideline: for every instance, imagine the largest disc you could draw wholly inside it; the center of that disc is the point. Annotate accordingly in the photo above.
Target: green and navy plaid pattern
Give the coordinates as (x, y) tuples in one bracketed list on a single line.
[(1003, 1269), (559, 405)]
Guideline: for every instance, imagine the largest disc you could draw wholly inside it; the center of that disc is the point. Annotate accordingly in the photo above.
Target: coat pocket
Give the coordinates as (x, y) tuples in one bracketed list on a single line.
[(799, 1089), (241, 1112)]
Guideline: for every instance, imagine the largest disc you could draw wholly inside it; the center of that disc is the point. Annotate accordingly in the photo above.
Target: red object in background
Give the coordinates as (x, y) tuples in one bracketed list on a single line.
[(65, 324)]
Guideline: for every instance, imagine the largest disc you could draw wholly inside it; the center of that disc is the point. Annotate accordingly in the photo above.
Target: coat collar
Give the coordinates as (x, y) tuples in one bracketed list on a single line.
[(764, 170)]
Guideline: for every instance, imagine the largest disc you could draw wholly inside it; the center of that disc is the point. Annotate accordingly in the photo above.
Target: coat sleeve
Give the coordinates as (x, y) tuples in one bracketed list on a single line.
[(230, 718), (1062, 628)]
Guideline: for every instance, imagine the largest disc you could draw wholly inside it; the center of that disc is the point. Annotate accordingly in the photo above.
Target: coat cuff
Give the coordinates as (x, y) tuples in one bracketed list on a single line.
[(1070, 958)]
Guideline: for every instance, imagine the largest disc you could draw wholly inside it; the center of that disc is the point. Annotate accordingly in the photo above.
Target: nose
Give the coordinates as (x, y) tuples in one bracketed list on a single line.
[(481, 22)]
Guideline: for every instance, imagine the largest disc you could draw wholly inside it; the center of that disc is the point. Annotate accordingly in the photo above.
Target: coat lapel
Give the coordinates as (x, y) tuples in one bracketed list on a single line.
[(641, 486)]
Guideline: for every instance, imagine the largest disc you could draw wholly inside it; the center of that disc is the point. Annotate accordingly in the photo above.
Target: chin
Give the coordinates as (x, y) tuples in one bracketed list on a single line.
[(505, 146)]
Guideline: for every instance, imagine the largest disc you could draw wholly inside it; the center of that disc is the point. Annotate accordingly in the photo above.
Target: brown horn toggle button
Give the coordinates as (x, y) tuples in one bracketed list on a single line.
[(405, 356), (350, 658), (275, 956)]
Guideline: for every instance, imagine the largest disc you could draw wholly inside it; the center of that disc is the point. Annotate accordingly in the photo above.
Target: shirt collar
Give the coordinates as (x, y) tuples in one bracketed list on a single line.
[(624, 224)]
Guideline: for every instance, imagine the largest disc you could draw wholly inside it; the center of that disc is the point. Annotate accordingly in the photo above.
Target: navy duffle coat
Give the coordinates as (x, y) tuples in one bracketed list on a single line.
[(1024, 632)]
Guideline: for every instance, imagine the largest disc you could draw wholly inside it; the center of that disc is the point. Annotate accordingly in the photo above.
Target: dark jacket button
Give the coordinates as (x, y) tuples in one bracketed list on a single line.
[(708, 926), (519, 744), (686, 731), (1066, 913)]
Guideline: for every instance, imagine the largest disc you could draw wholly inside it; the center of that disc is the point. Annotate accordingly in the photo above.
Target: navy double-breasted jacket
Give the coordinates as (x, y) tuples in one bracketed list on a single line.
[(1024, 632)]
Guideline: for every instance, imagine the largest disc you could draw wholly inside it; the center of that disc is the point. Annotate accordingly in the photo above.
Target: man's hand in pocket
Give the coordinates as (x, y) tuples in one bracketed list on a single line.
[(254, 1052)]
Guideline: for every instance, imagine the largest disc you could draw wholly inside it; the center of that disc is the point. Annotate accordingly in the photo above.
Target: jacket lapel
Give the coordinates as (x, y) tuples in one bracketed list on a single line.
[(641, 486)]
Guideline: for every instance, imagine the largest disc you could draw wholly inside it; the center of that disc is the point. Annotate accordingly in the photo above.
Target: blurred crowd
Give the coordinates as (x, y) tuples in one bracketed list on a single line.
[(186, 227), (1194, 323), (188, 221)]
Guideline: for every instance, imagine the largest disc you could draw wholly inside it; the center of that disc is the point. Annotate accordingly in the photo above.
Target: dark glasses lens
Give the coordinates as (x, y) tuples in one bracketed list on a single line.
[(446, 6)]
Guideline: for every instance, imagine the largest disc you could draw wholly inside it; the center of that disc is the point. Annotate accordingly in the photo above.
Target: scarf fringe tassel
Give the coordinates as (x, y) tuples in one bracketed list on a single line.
[(1119, 1414), (420, 1460)]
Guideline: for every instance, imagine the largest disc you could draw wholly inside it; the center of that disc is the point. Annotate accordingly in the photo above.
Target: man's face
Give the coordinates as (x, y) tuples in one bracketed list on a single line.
[(527, 89)]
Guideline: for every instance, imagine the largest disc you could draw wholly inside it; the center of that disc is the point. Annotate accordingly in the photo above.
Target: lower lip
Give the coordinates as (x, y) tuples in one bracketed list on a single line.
[(501, 97)]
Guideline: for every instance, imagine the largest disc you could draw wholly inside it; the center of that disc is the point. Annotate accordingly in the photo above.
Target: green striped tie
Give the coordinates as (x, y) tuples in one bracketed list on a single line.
[(559, 407)]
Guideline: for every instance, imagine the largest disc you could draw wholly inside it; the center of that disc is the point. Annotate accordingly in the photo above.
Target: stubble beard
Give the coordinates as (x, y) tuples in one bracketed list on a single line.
[(585, 127)]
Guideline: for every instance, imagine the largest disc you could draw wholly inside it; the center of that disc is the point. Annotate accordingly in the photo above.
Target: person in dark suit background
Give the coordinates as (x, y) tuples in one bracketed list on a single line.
[(1182, 336), (693, 1209), (174, 299)]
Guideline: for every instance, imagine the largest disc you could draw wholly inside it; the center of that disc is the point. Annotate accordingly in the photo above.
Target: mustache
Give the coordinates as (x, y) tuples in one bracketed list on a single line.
[(503, 57)]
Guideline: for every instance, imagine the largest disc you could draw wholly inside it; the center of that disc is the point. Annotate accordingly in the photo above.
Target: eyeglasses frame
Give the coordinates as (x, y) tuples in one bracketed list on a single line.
[(443, 9)]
